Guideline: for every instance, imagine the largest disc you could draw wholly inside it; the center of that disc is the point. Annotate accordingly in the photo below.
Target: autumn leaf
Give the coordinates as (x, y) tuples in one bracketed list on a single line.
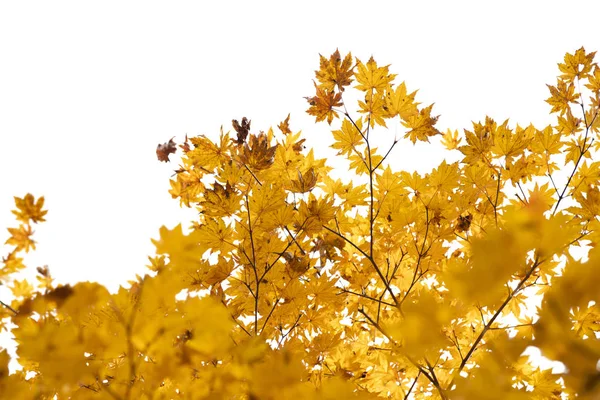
[(164, 150), (220, 201), (451, 140), (562, 95), (371, 77), (305, 182), (21, 238), (349, 137), (29, 209), (322, 105), (284, 126), (242, 130), (335, 73), (257, 153), (399, 102), (576, 65), (350, 276), (421, 125)]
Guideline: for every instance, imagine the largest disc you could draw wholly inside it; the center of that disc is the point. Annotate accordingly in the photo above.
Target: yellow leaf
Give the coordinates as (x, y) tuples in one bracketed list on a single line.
[(220, 201), (451, 140), (374, 107), (562, 95), (576, 65), (348, 138), (420, 333), (29, 209), (335, 73), (398, 102), (371, 77), (511, 144), (208, 155), (21, 238), (180, 248), (421, 125)]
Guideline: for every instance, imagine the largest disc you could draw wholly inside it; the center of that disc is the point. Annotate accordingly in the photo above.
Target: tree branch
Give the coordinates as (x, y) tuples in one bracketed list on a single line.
[(385, 282)]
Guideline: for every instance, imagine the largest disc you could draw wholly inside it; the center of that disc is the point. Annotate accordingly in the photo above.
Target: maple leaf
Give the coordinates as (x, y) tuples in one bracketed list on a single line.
[(208, 155), (220, 201), (399, 102), (348, 137), (322, 105), (371, 77), (179, 247), (335, 73), (12, 263), (444, 177), (451, 140), (284, 126), (241, 130), (479, 142), (374, 106), (562, 95), (29, 209), (305, 182), (374, 283), (421, 125), (185, 146), (547, 141), (21, 238), (257, 153), (576, 65), (511, 144), (164, 150)]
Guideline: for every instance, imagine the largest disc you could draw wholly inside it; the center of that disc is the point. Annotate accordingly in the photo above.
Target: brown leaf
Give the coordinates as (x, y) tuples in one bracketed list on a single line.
[(60, 294), (284, 126), (185, 146), (242, 130), (298, 146), (164, 150), (258, 154)]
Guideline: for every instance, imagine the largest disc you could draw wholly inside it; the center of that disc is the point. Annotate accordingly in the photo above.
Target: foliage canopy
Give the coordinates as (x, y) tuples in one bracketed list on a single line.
[(293, 284)]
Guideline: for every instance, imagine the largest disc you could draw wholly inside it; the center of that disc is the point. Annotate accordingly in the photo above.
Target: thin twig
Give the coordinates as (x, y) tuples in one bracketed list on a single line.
[(9, 307), (413, 385), (377, 269)]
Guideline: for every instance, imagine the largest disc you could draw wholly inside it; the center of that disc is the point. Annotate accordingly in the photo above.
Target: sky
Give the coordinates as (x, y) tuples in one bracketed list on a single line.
[(88, 90)]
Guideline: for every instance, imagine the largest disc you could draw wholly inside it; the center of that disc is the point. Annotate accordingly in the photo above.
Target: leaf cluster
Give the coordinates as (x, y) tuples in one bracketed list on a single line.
[(292, 284)]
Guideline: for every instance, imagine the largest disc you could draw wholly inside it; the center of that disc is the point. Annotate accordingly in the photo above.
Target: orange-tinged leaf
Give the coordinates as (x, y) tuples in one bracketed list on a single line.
[(258, 154), (322, 106), (335, 73), (284, 126)]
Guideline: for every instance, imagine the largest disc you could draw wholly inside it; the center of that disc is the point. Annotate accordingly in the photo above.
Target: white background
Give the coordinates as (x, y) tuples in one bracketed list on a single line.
[(88, 89)]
